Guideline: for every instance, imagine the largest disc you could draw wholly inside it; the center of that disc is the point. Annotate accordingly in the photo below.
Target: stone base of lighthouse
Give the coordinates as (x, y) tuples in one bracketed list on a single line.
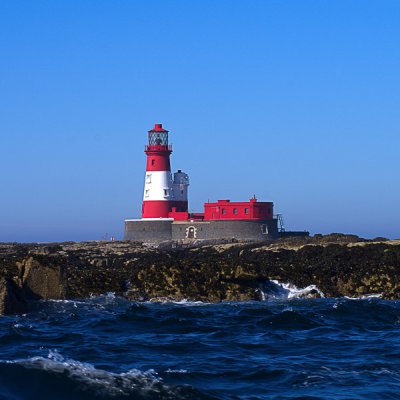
[(148, 231), (155, 231)]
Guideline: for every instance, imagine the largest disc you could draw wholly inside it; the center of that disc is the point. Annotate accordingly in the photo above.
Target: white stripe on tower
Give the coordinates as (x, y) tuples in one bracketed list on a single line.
[(158, 186)]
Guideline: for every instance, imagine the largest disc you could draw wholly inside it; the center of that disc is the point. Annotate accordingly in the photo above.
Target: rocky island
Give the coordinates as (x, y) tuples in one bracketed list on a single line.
[(338, 265)]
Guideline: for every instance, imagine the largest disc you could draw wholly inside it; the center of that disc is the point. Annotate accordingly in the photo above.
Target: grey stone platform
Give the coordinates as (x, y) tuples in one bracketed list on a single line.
[(154, 231)]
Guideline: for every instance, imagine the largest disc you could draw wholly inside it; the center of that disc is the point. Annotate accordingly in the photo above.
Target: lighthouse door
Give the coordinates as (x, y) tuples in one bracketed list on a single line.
[(191, 232)]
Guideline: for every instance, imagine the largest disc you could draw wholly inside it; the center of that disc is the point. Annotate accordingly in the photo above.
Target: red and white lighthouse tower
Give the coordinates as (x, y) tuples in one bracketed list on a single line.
[(162, 193)]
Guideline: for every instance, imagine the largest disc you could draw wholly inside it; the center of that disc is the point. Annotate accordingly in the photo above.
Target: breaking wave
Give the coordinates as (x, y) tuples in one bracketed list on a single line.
[(51, 376), (273, 289)]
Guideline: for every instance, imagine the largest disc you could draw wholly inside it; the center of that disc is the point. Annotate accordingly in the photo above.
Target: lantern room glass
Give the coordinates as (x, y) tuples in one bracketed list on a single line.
[(158, 138)]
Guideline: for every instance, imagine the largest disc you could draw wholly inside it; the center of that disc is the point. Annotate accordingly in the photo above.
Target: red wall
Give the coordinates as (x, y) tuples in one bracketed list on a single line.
[(164, 209), (155, 209), (158, 161), (178, 215), (256, 210)]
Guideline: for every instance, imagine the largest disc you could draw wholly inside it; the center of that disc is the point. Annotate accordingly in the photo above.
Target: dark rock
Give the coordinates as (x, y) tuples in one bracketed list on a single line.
[(12, 300), (339, 265), (380, 239)]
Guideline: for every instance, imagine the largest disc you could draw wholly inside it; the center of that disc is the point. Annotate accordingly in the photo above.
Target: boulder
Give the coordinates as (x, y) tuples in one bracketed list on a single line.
[(12, 299)]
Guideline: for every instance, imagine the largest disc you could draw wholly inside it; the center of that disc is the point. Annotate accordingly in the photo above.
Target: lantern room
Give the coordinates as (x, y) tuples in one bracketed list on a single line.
[(158, 139)]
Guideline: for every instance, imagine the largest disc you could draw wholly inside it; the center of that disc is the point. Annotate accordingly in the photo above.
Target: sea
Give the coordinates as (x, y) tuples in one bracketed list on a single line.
[(284, 347)]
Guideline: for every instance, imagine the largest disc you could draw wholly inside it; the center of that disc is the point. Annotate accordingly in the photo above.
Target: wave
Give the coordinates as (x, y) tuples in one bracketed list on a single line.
[(185, 302), (110, 299), (238, 350), (59, 377)]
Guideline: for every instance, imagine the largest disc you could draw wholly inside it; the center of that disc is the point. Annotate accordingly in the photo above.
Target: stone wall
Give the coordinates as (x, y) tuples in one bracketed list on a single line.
[(166, 230), (239, 230), (148, 231)]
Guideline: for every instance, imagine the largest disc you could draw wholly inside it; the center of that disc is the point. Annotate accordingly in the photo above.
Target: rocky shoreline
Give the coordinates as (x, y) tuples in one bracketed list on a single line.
[(338, 265)]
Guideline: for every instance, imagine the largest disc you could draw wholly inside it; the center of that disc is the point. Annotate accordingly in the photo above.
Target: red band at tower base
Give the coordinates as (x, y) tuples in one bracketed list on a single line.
[(161, 208)]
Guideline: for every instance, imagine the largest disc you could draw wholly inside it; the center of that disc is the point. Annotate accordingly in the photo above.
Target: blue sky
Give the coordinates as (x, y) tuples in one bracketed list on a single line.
[(294, 101)]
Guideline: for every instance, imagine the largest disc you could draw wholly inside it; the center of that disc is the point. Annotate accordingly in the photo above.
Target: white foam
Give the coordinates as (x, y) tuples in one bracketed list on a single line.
[(184, 302), (290, 291), (108, 297), (176, 371), (73, 302), (188, 302), (18, 326), (365, 296)]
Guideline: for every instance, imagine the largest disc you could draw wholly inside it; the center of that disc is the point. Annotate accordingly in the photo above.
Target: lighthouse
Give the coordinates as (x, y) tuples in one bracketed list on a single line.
[(165, 217), (163, 193)]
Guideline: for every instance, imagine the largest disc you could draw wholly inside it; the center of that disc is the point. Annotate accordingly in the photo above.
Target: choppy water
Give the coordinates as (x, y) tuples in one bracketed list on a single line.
[(107, 347)]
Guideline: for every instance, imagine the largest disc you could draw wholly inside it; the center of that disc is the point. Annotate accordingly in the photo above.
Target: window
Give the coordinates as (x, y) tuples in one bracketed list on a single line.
[(165, 192), (235, 211), (153, 161), (264, 229), (223, 211), (146, 193), (148, 178), (246, 210)]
